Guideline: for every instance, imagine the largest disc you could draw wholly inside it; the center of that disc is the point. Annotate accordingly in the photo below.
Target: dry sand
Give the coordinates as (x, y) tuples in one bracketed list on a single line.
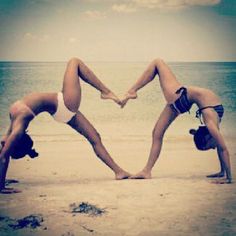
[(178, 200)]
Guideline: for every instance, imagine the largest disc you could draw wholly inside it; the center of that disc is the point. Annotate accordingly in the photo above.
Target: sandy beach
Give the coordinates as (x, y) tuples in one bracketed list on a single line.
[(178, 200), (67, 190)]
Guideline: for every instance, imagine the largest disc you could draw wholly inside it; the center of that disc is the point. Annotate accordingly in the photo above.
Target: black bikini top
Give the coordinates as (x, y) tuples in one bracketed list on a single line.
[(218, 108)]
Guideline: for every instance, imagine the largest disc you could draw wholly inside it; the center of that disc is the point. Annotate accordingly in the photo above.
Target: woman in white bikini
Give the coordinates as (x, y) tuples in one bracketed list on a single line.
[(63, 106), (179, 100)]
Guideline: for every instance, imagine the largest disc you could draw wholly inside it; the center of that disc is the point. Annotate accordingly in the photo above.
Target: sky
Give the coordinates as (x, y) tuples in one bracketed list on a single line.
[(118, 30)]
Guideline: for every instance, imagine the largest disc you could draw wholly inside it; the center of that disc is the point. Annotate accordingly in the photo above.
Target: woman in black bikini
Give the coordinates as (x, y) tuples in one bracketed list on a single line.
[(179, 100)]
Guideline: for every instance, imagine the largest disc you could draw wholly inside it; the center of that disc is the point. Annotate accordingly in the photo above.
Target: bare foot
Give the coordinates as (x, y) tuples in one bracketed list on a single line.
[(128, 95), (112, 96), (10, 191), (122, 175), (216, 175), (142, 175)]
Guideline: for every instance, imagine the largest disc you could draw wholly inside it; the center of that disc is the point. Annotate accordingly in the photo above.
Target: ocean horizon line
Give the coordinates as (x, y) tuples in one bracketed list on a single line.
[(91, 61)]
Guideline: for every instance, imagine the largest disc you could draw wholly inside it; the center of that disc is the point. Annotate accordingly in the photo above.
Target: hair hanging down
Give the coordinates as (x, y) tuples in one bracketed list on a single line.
[(199, 137), (24, 147)]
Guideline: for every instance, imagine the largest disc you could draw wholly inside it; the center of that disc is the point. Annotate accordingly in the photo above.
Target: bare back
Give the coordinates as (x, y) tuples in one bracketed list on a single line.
[(41, 102), (203, 97)]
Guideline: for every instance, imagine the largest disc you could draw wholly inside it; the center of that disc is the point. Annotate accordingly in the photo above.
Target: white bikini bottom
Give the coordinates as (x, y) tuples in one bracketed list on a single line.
[(63, 114)]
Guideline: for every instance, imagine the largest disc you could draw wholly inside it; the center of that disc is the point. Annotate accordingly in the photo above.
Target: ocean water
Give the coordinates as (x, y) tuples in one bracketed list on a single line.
[(139, 116)]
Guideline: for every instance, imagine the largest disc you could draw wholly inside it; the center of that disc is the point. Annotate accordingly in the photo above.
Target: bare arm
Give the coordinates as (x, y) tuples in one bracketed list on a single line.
[(221, 146), (4, 137), (221, 173), (5, 153), (3, 140), (11, 140)]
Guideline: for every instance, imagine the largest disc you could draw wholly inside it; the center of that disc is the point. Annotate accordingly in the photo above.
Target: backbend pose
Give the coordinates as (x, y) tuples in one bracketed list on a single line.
[(179, 100), (63, 106)]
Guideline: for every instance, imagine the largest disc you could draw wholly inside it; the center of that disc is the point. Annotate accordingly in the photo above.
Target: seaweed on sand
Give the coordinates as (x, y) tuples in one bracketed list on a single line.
[(86, 208)]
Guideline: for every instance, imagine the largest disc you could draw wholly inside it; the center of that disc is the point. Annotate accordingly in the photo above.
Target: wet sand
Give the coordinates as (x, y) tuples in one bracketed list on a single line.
[(178, 200)]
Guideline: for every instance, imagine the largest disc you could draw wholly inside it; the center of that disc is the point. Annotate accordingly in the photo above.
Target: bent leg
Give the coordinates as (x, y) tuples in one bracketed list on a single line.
[(75, 70), (84, 127), (166, 118), (167, 79)]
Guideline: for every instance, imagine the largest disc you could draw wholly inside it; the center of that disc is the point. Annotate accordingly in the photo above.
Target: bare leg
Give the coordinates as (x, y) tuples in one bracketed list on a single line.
[(84, 127), (166, 118), (168, 82), (71, 85)]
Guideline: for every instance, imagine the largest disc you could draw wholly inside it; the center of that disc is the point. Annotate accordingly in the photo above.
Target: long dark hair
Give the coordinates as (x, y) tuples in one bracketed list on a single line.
[(24, 147), (201, 137)]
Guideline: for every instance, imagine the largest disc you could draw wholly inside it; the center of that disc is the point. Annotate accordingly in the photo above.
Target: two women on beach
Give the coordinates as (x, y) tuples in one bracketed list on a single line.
[(64, 107)]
